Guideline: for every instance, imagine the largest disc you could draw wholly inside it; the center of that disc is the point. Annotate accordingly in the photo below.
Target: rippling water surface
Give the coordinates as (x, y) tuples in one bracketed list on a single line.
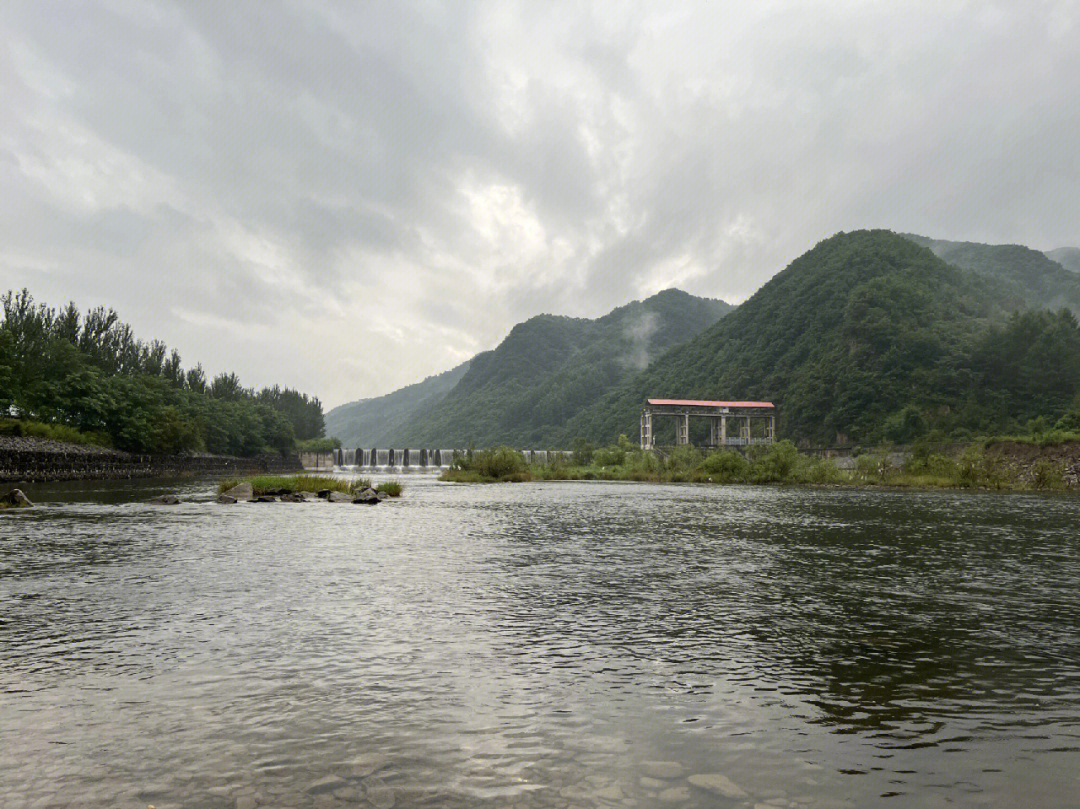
[(545, 645)]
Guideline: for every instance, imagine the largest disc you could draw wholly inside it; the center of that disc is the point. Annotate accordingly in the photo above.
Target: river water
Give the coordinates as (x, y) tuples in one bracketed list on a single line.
[(542, 645)]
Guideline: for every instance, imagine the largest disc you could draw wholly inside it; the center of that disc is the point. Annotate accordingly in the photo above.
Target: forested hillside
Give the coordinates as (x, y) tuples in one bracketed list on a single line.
[(871, 337), (1067, 257), (88, 378), (1026, 277), (549, 368), (377, 422)]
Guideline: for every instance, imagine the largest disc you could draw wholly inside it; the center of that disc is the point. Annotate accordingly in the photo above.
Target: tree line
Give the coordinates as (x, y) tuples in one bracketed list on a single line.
[(89, 372)]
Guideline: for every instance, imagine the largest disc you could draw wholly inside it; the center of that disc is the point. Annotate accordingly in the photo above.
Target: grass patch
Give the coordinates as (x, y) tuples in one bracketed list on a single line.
[(54, 432), (263, 484), (391, 488)]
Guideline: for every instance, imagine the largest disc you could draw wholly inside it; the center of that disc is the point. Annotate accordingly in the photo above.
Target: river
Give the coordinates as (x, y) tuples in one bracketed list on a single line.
[(541, 645)]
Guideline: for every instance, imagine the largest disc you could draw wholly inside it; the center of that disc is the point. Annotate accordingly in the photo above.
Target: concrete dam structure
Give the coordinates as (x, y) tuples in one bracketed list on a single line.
[(407, 459)]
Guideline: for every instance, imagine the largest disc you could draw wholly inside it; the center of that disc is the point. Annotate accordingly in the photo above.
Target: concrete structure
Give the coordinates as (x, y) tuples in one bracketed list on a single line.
[(752, 422)]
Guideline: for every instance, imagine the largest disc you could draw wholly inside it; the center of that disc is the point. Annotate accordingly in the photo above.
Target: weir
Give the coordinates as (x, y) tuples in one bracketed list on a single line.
[(410, 459)]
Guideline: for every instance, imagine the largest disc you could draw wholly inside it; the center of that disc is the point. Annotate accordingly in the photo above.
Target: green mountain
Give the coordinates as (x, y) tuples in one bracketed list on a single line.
[(1067, 257), (1027, 277), (870, 336), (377, 422), (548, 368)]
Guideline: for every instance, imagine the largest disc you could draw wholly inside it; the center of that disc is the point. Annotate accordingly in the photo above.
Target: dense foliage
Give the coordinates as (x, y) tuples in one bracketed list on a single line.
[(90, 374), (549, 368), (870, 337)]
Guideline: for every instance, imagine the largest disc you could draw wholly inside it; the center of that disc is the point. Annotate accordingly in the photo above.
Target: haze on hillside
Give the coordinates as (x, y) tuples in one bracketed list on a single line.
[(347, 198)]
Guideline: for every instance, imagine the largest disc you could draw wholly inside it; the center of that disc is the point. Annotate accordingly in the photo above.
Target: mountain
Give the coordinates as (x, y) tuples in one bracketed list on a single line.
[(1067, 257), (549, 368), (870, 336), (1027, 277), (376, 422)]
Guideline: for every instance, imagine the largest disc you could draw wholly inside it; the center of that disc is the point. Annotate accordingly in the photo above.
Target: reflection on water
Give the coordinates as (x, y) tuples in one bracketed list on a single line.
[(562, 645)]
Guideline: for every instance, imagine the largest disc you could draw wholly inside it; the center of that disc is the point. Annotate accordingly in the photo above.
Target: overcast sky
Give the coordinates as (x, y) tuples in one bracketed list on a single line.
[(345, 198)]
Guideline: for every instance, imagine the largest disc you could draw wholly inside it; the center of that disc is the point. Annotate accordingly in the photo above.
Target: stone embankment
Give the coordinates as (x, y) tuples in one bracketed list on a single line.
[(37, 460), (1029, 458)]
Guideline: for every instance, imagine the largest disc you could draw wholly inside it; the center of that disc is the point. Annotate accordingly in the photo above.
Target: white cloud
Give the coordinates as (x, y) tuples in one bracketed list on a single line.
[(346, 198)]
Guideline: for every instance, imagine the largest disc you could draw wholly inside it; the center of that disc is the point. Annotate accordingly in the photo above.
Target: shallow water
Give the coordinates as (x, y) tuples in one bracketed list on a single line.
[(541, 645)]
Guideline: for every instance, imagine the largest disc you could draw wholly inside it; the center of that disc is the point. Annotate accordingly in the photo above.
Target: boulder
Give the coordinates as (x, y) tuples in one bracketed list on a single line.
[(15, 499), (339, 497), (368, 497), (165, 500), (264, 498), (323, 493), (381, 495), (292, 497), (226, 499), (241, 491)]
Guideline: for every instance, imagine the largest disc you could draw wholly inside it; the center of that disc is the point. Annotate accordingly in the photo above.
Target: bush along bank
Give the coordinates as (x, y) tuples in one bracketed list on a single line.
[(975, 467)]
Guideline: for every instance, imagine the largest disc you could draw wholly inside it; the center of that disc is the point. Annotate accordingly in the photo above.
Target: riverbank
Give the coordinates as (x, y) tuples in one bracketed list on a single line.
[(39, 460), (1005, 466)]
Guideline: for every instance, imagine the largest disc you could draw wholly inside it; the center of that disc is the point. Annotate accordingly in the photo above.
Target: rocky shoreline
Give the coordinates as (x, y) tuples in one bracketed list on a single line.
[(41, 460)]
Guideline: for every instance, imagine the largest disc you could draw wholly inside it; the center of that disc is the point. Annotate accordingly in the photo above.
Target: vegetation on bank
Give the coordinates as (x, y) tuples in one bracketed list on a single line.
[(53, 432), (280, 484), (781, 463), (318, 445), (86, 378)]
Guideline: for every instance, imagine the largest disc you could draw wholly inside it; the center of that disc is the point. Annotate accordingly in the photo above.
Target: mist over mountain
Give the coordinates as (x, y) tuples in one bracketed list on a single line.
[(1067, 257), (542, 374), (1027, 278)]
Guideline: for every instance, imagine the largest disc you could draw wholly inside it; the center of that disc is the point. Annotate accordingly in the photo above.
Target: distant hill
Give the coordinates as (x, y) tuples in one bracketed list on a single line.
[(870, 336), (1067, 257), (1027, 277), (376, 422), (548, 368)]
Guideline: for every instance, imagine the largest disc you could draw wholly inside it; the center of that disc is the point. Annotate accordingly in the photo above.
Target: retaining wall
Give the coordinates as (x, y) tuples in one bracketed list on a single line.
[(37, 461)]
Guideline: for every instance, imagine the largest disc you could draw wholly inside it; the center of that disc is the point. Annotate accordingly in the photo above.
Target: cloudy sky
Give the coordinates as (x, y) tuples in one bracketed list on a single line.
[(347, 197)]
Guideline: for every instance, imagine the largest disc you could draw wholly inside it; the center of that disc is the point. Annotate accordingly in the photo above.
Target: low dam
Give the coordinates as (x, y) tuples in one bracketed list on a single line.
[(408, 459)]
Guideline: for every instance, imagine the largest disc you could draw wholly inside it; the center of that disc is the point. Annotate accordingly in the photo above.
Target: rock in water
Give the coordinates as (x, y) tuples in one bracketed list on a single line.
[(368, 497), (165, 500), (264, 498), (292, 497), (718, 784), (241, 491), (226, 499), (15, 499), (339, 497), (323, 493)]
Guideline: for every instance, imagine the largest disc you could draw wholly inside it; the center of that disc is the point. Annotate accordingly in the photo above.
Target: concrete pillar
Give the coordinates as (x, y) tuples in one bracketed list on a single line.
[(747, 431), (682, 429), (723, 429), (772, 429)]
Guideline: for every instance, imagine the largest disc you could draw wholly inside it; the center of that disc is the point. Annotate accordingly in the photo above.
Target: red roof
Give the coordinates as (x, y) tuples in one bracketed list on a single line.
[(697, 403)]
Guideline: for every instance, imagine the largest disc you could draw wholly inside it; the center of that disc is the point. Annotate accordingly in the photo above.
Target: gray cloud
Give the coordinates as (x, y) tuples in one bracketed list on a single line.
[(348, 197)]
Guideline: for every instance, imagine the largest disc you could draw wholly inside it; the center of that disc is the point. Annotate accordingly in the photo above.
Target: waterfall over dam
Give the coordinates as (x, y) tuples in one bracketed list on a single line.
[(408, 459)]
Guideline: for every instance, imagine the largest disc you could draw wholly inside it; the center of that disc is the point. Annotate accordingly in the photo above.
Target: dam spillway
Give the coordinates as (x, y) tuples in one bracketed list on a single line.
[(409, 459)]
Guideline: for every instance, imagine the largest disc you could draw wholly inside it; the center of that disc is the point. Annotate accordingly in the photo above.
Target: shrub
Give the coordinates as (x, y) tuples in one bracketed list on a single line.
[(775, 464), (726, 466), (391, 488)]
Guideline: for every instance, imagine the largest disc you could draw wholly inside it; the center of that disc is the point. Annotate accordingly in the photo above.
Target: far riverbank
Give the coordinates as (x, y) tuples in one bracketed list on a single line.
[(998, 465)]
